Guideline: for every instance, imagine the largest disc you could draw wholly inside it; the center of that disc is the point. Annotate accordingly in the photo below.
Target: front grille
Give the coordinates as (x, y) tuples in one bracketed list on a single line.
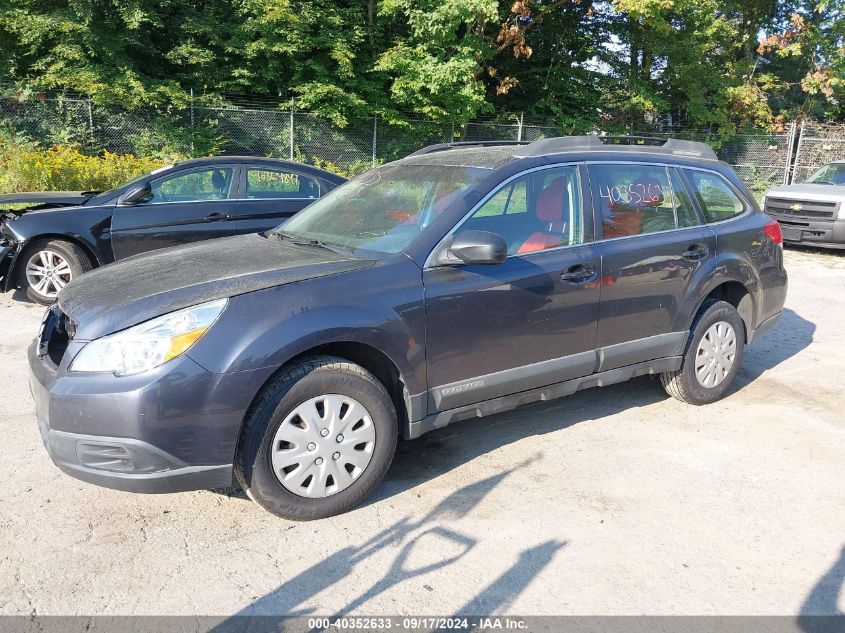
[(809, 209), (56, 332)]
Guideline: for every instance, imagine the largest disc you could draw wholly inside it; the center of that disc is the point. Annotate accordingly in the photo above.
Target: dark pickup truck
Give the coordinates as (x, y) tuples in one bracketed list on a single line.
[(457, 282)]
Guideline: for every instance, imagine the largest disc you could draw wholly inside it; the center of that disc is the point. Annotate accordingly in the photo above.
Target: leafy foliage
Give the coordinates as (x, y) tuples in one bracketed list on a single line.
[(578, 63), (27, 168)]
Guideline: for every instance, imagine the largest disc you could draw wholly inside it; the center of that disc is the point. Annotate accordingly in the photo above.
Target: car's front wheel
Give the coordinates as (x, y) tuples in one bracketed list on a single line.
[(318, 440), (50, 265), (712, 358)]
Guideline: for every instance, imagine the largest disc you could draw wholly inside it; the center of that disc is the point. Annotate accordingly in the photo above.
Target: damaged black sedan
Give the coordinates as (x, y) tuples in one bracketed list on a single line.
[(49, 238)]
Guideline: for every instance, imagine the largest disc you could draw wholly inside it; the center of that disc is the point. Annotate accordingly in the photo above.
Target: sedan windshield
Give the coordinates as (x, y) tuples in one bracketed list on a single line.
[(384, 209), (831, 174), (105, 195)]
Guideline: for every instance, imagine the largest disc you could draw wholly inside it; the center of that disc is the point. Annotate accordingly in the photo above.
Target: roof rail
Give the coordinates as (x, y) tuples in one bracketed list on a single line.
[(442, 147), (593, 142)]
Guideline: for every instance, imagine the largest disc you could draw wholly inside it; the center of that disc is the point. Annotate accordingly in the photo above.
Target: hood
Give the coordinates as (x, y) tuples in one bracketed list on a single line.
[(46, 199), (808, 191), (139, 288)]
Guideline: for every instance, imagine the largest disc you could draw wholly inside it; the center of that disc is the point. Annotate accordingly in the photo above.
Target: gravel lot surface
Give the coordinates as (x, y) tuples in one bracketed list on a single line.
[(612, 501)]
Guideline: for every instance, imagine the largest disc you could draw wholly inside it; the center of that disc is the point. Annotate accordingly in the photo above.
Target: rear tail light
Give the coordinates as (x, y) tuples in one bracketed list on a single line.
[(772, 230)]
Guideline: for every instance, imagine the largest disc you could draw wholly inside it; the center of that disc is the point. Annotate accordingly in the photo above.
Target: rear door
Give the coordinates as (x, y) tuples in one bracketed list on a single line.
[(187, 206), (496, 329), (652, 243), (270, 195)]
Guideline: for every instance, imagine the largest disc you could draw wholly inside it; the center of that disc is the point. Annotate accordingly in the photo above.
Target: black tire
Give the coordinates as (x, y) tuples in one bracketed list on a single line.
[(683, 384), (310, 378), (76, 258)]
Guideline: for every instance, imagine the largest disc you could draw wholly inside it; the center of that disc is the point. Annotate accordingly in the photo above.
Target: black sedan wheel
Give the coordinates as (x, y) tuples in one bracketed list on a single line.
[(48, 266)]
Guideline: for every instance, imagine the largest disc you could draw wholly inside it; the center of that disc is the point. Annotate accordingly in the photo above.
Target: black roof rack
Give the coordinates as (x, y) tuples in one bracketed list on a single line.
[(442, 147), (593, 142)]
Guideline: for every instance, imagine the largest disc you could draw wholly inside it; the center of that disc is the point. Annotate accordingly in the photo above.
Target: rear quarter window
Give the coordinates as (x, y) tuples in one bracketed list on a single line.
[(715, 196)]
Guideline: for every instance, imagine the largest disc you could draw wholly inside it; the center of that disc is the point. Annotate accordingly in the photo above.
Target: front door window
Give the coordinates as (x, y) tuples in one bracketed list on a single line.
[(202, 184), (535, 212)]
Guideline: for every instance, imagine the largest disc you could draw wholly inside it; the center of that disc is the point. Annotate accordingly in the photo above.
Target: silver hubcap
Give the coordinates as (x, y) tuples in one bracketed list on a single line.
[(716, 354), (47, 272), (323, 445)]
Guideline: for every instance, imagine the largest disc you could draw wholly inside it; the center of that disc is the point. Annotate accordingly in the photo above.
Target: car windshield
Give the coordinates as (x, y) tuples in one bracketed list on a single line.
[(384, 209), (139, 179), (831, 174)]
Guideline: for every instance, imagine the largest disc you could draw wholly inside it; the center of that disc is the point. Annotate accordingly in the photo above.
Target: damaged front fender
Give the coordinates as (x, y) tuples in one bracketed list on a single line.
[(9, 253)]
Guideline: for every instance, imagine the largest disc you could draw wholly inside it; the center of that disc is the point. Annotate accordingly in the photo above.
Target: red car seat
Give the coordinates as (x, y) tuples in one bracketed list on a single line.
[(626, 217), (550, 205)]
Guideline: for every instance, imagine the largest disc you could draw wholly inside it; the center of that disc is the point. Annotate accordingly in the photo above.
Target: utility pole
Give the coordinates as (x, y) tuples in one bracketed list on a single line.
[(375, 137), (291, 129), (91, 122), (193, 129)]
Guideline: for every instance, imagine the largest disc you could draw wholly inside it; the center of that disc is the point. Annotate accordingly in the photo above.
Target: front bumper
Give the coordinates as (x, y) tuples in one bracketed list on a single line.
[(126, 464), (822, 233), (171, 429), (8, 256)]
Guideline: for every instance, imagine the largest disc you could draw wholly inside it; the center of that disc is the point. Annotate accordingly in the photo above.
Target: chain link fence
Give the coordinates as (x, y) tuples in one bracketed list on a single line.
[(762, 159), (818, 144)]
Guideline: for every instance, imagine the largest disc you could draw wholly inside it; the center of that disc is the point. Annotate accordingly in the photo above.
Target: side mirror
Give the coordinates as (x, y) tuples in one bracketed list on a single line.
[(136, 194), (478, 247)]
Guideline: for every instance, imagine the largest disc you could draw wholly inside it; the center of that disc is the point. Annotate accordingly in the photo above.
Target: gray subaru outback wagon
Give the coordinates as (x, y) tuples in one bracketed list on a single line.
[(460, 281)]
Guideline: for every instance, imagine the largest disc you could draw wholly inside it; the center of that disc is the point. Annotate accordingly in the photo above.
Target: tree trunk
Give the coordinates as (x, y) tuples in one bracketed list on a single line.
[(371, 20), (634, 44)]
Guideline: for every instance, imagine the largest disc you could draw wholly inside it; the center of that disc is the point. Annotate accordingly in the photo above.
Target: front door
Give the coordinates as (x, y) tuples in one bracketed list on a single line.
[(270, 196), (187, 206), (652, 245), (530, 321)]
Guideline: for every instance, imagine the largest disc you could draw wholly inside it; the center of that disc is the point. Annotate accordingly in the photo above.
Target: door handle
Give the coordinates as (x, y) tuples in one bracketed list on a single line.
[(579, 273), (696, 251), (213, 217)]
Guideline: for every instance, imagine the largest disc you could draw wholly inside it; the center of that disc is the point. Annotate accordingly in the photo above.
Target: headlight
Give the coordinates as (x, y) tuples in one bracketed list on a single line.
[(148, 344)]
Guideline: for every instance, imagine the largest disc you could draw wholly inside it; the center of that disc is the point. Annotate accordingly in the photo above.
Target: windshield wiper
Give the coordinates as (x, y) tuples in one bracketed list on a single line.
[(300, 240)]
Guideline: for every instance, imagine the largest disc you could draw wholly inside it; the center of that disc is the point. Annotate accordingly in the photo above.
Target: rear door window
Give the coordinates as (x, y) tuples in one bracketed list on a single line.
[(715, 196), (277, 183), (633, 199)]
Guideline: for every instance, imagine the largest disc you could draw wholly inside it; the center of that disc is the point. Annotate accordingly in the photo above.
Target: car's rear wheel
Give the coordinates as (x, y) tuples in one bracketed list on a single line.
[(50, 265), (318, 440), (712, 357)]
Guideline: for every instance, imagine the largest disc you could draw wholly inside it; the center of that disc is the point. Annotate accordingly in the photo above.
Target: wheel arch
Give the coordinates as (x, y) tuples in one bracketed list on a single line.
[(14, 270), (739, 296), (379, 364), (367, 356)]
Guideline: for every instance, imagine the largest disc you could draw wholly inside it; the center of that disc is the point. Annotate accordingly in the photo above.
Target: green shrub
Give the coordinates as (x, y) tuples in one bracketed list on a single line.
[(25, 167)]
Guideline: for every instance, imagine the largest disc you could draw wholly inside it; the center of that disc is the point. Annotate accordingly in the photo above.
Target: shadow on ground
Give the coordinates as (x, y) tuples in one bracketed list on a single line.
[(820, 612), (20, 295), (439, 544), (792, 334), (814, 250)]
